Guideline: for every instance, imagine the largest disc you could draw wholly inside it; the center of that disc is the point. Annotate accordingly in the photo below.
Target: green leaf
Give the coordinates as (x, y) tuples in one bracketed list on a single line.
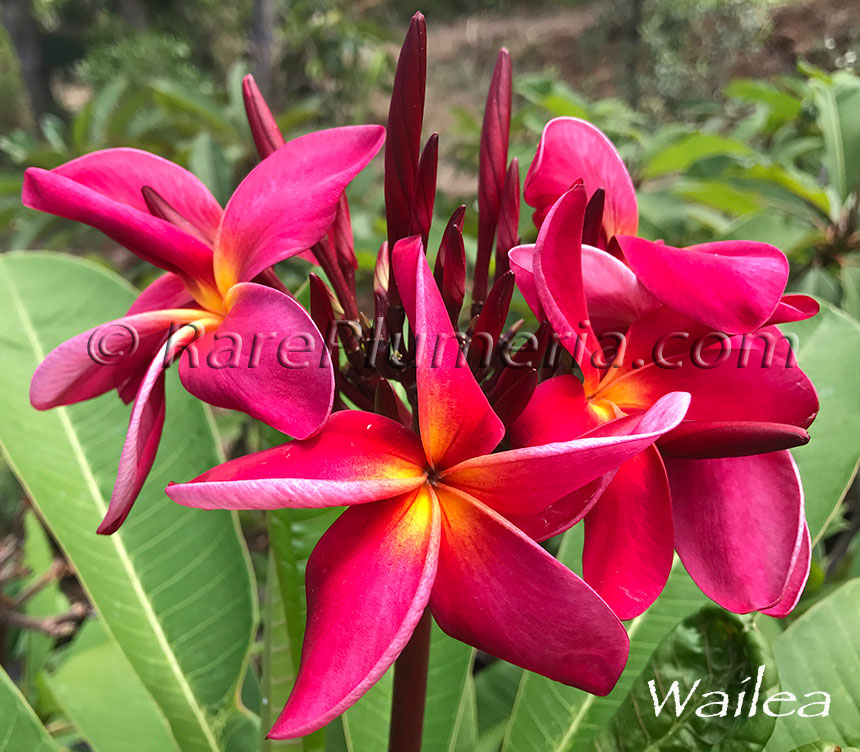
[(818, 653), (208, 162), (838, 103), (173, 586), (691, 149), (850, 279), (550, 717), (96, 687), (447, 695), (819, 283), (366, 724), (829, 353), (20, 729), (712, 651), (496, 689)]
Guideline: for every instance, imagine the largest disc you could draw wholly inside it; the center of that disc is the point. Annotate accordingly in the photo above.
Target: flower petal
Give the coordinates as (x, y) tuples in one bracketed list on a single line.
[(614, 295), (455, 417), (501, 592), (144, 434), (521, 259), (288, 202), (527, 480), (267, 359), (366, 592), (104, 190), (796, 581), (733, 285), (571, 149), (557, 264), (794, 308), (357, 457), (168, 291), (707, 439), (743, 378), (739, 526), (629, 542), (103, 358)]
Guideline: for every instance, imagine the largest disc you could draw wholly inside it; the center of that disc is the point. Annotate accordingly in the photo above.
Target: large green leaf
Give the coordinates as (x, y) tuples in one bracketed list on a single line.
[(550, 717), (819, 653), (447, 695), (293, 533), (829, 353), (680, 155), (838, 102), (98, 690), (20, 729), (713, 661), (173, 586)]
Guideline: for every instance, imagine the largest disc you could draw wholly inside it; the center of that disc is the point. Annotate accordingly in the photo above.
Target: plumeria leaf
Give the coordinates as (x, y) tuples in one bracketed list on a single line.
[(22, 730), (712, 651), (818, 653), (548, 717), (837, 101), (173, 586), (93, 681), (829, 462)]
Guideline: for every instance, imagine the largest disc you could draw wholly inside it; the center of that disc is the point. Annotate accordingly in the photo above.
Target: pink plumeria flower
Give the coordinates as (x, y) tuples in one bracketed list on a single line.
[(734, 286), (721, 488), (165, 215), (427, 526)]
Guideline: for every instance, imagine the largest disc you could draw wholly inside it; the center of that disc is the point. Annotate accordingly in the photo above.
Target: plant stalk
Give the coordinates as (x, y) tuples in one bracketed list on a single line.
[(410, 690)]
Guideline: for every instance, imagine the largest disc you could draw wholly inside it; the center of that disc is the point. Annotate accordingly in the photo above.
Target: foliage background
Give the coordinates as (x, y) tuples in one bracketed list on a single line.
[(737, 118)]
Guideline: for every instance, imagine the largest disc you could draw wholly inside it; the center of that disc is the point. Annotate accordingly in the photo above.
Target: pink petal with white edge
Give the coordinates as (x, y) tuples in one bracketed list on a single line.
[(103, 190), (266, 359), (144, 434), (739, 526), (455, 417), (796, 581), (733, 286), (357, 457), (502, 593), (366, 592), (521, 260), (629, 541), (558, 277), (287, 203), (103, 358), (571, 149), (527, 480)]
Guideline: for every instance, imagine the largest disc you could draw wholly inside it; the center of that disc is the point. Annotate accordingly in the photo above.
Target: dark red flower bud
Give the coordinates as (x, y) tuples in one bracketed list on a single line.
[(492, 161), (450, 269), (488, 325), (508, 234), (509, 403), (160, 207), (387, 403), (425, 190), (264, 129)]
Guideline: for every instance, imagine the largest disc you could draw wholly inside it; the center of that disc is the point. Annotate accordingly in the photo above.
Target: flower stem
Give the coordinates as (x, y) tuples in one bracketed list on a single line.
[(410, 690)]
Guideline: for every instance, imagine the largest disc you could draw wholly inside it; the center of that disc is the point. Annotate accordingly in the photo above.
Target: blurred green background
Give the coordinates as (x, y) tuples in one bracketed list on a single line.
[(731, 114)]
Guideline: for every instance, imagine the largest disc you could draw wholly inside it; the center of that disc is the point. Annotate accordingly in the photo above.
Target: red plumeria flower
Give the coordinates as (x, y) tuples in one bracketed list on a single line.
[(165, 215), (733, 286), (427, 525), (720, 488)]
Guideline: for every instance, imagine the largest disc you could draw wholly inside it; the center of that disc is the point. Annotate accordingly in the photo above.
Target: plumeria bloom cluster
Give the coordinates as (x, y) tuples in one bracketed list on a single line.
[(655, 402)]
